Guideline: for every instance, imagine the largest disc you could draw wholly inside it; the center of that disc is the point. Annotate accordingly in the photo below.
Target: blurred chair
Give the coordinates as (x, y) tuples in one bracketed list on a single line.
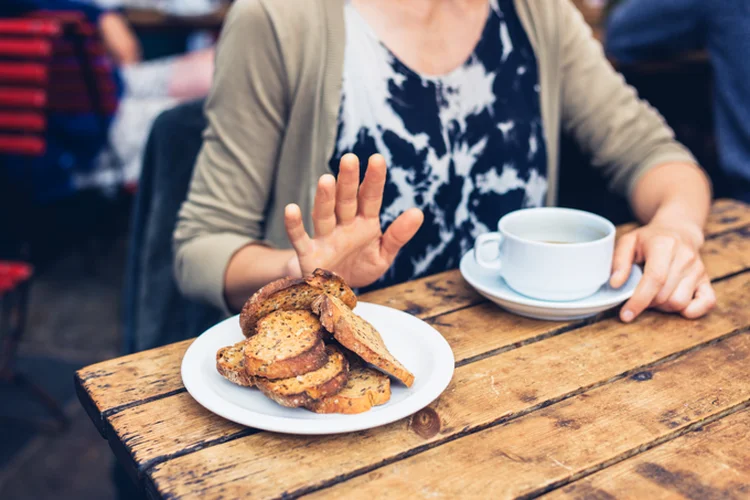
[(15, 280), (155, 313), (57, 91)]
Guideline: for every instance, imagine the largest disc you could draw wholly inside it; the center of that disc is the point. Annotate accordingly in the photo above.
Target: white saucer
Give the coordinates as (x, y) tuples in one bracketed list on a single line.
[(492, 286)]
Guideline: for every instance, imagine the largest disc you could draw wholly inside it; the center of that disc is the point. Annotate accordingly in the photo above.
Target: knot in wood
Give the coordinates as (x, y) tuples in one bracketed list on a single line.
[(426, 423)]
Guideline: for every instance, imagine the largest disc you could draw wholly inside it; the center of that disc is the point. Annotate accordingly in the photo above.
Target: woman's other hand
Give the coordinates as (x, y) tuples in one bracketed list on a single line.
[(348, 239), (119, 39), (674, 278)]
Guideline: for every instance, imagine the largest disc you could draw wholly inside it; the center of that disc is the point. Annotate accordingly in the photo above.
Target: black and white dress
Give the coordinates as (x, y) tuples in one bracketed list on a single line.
[(465, 147)]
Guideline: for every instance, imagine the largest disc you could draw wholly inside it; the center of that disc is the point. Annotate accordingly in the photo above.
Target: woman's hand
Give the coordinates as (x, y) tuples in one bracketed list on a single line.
[(674, 278), (348, 238), (119, 39)]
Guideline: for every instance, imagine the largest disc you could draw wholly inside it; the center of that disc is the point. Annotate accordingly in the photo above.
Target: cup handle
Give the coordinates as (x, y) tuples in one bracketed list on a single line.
[(482, 240)]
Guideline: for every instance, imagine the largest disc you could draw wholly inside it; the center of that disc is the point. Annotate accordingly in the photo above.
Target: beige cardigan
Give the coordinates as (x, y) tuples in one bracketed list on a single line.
[(272, 116)]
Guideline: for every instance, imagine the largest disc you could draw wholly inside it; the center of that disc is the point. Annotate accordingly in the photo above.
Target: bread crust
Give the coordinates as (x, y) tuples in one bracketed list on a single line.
[(293, 293), (294, 397), (356, 396), (230, 363), (341, 322)]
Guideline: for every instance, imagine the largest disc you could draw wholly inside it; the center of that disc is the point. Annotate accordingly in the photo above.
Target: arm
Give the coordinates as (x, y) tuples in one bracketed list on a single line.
[(220, 256), (222, 218), (636, 150), (639, 30)]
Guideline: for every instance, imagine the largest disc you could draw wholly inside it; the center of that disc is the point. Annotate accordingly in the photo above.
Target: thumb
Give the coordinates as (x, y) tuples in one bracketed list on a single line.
[(400, 232)]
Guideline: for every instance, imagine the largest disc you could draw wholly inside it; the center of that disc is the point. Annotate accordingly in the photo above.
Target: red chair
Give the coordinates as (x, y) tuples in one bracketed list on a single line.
[(49, 62), (15, 280)]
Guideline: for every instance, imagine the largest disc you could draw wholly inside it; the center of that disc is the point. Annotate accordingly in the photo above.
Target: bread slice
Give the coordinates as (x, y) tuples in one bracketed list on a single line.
[(358, 335), (288, 343), (230, 363), (304, 389), (290, 294), (364, 389)]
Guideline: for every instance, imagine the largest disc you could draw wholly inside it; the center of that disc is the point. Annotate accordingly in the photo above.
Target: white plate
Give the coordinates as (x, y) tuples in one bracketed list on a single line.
[(418, 346), (492, 286)]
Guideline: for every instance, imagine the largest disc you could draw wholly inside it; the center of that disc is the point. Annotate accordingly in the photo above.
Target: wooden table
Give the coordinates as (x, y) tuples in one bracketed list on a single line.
[(587, 409)]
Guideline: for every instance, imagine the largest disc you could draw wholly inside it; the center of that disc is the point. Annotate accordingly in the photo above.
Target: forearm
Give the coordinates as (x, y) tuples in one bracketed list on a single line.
[(252, 267), (676, 195)]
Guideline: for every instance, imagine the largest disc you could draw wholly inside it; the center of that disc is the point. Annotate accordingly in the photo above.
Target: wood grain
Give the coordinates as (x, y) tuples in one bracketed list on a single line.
[(139, 377), (710, 462), (482, 394), (143, 376), (427, 297), (576, 437)]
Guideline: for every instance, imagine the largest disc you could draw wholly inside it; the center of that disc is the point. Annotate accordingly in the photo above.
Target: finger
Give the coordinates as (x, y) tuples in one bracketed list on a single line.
[(683, 293), (295, 229), (324, 218), (623, 260), (685, 266), (371, 191), (704, 301), (346, 189), (659, 255), (400, 232)]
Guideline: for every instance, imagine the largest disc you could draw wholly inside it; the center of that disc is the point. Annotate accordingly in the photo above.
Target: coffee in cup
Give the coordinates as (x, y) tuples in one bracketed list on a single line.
[(555, 254)]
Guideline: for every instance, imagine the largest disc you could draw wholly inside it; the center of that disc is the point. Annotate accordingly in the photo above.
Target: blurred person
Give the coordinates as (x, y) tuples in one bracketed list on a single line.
[(454, 108), (147, 89), (645, 30)]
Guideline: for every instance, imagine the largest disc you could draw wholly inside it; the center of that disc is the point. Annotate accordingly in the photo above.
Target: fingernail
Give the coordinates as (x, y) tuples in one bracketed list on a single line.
[(627, 316)]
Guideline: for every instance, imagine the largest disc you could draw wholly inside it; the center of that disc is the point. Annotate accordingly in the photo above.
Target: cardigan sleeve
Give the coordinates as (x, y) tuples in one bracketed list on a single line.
[(234, 173), (624, 135)]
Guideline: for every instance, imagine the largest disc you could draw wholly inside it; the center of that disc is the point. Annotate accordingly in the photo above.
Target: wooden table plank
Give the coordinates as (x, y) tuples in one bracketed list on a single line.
[(482, 394), (535, 453), (116, 384), (110, 386), (727, 215), (710, 462)]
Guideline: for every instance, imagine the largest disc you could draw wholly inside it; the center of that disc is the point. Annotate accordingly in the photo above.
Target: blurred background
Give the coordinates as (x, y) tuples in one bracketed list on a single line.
[(88, 136)]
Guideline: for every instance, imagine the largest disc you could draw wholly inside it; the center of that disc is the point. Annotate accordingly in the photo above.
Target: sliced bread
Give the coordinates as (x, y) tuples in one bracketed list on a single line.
[(304, 389), (359, 336), (287, 344), (230, 363), (364, 389), (290, 294)]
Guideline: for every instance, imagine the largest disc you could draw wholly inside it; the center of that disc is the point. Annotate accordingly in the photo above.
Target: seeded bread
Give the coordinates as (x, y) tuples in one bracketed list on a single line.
[(230, 363), (288, 343), (358, 335), (304, 389), (364, 389), (290, 294)]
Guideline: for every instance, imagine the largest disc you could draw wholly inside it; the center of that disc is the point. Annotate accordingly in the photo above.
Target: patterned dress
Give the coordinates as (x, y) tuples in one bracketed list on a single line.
[(466, 147)]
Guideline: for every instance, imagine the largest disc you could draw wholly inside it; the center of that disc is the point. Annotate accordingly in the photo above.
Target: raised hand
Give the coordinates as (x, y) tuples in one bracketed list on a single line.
[(348, 238)]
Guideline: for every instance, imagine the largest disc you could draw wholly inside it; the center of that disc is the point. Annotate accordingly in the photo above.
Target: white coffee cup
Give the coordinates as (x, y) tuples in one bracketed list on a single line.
[(554, 254)]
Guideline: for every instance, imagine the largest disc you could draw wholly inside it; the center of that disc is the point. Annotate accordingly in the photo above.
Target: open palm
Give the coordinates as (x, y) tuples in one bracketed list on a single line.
[(348, 237)]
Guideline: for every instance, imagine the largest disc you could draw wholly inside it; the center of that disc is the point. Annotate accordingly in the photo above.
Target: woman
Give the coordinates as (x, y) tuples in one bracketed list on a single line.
[(463, 100)]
